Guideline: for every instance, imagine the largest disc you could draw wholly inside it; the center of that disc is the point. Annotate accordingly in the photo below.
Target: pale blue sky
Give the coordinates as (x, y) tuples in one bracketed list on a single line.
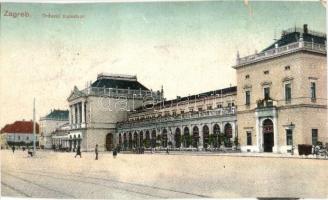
[(188, 47)]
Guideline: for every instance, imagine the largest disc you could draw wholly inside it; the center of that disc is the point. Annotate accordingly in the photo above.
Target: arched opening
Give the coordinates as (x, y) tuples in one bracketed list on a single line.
[(141, 140), (228, 135), (135, 139), (268, 140), (120, 139), (216, 138), (147, 143), (125, 141), (206, 136), (186, 137), (109, 142), (153, 139), (195, 137), (130, 140), (164, 138), (177, 138)]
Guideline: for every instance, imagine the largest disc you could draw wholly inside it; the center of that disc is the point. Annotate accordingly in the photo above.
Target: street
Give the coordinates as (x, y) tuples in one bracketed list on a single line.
[(138, 176)]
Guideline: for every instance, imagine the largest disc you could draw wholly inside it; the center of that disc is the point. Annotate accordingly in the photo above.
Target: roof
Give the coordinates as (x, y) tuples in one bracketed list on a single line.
[(57, 115), (119, 82), (294, 34), (196, 96), (20, 127)]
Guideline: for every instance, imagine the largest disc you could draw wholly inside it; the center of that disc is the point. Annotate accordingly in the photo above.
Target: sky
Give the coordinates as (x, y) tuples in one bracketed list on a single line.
[(188, 47)]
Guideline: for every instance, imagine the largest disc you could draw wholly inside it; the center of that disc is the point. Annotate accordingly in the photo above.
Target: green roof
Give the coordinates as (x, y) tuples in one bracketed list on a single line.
[(58, 115)]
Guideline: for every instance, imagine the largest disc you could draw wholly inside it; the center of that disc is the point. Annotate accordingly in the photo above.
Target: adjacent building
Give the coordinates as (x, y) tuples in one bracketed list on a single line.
[(49, 123), (19, 133), (95, 110), (282, 93)]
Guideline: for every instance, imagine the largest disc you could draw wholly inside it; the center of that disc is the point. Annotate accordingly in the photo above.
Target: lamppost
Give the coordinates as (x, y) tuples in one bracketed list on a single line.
[(34, 136)]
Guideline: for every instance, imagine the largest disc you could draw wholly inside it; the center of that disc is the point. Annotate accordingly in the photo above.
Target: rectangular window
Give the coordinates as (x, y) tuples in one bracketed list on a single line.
[(289, 136), (219, 106), (182, 111), (266, 93), (288, 92), (209, 107), (313, 90), (248, 97), (249, 138), (314, 136), (200, 109)]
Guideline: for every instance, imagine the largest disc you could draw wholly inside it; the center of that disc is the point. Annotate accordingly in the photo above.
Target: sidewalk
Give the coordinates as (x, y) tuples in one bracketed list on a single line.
[(229, 154)]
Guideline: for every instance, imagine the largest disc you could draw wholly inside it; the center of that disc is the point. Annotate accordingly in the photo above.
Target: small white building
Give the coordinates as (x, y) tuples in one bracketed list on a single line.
[(19, 133)]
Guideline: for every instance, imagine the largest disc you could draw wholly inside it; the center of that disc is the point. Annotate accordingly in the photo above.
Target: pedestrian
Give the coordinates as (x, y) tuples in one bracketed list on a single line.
[(167, 150), (114, 153), (13, 148), (29, 152), (96, 151), (78, 152)]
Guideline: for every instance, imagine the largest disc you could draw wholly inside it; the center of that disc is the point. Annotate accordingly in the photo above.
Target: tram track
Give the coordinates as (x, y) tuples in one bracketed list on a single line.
[(15, 190), (93, 183), (38, 185), (124, 184)]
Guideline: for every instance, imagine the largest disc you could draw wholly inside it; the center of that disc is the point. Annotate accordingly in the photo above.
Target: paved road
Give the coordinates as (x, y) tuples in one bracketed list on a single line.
[(60, 175)]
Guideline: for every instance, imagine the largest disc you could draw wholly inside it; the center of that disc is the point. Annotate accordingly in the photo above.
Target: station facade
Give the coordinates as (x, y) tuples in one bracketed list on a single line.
[(280, 101)]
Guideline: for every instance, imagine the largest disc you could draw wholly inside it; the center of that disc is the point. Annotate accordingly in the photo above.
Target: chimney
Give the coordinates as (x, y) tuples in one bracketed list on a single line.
[(305, 28)]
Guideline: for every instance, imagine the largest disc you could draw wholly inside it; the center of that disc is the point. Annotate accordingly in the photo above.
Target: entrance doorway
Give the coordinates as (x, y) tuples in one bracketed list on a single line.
[(268, 140), (109, 141)]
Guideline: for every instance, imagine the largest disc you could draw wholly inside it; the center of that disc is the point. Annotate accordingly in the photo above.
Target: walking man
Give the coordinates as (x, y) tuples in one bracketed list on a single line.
[(114, 153), (13, 148), (96, 151), (78, 152)]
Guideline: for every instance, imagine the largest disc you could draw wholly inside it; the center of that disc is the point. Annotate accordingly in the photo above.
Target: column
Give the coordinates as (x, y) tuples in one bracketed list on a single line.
[(70, 115), (233, 127), (83, 114), (276, 138), (78, 112), (258, 134), (201, 136), (73, 113)]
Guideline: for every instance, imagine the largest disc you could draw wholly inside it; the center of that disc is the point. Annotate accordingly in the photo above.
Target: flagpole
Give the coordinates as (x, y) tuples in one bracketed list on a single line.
[(34, 126)]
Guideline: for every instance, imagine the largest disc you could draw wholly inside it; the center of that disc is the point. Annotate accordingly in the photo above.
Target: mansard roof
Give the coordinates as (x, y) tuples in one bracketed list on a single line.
[(57, 115), (223, 91), (294, 34), (118, 81)]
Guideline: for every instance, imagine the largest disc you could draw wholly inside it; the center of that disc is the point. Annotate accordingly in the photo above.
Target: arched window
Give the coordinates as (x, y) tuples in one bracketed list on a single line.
[(186, 137), (195, 137), (206, 136), (177, 138), (164, 138)]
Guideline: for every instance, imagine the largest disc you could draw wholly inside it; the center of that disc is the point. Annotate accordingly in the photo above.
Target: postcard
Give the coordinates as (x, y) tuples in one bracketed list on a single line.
[(163, 99)]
